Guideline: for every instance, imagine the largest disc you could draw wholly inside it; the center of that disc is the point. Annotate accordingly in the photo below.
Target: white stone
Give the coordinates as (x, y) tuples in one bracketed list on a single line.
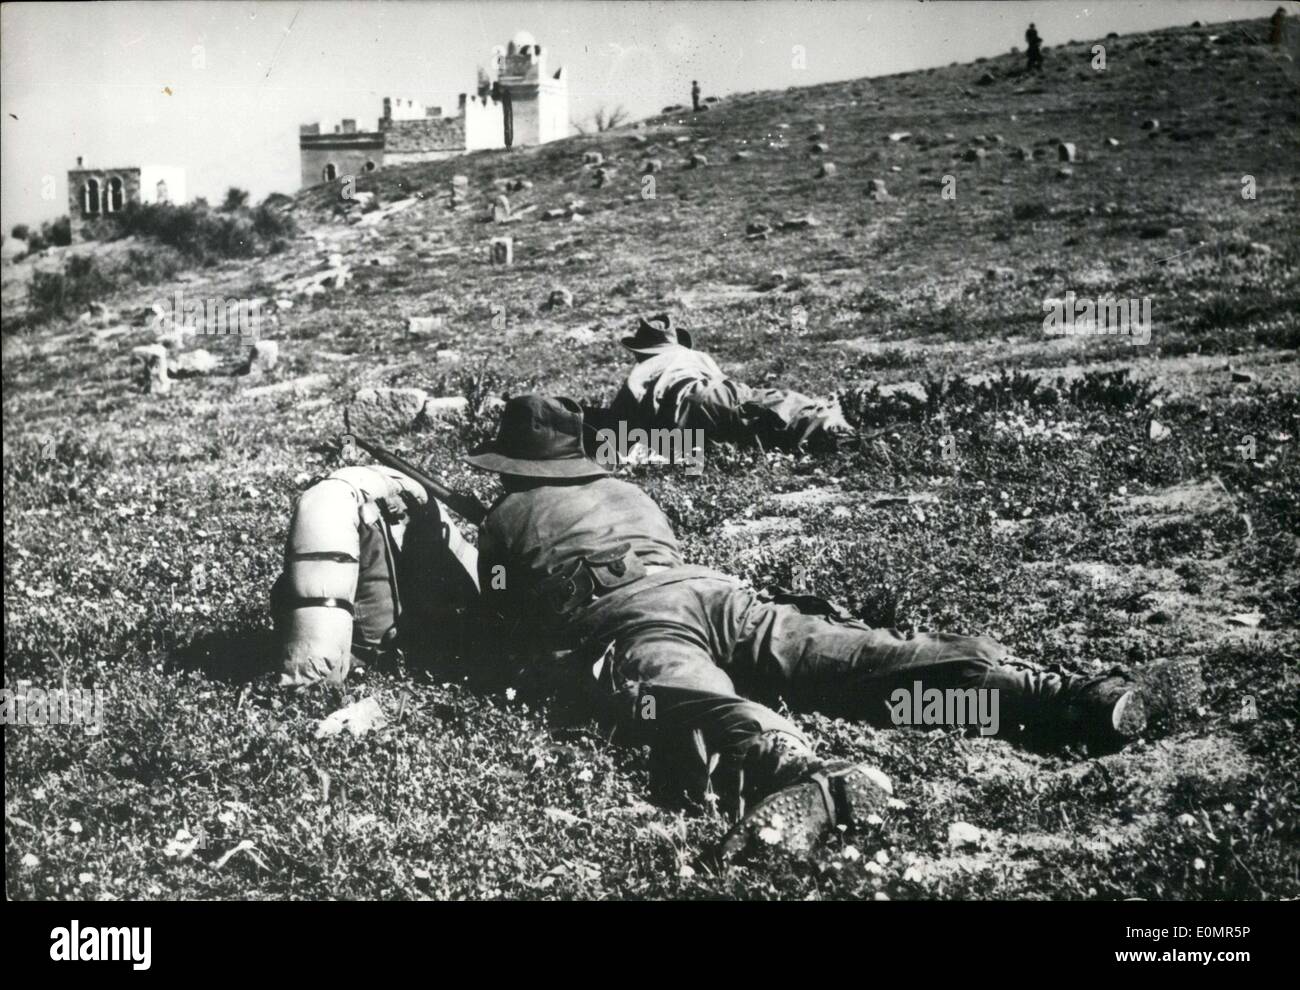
[(263, 356), (962, 834)]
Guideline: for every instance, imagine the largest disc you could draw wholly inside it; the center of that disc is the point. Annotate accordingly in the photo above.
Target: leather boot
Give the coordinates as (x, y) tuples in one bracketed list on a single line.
[(799, 817), (1106, 710)]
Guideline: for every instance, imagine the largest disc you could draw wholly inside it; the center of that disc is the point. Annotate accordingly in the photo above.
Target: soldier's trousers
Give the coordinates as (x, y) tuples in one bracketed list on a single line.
[(696, 665), (729, 410)]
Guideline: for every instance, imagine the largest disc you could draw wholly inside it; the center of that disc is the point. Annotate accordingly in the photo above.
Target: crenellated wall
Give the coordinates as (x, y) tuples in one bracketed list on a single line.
[(410, 131)]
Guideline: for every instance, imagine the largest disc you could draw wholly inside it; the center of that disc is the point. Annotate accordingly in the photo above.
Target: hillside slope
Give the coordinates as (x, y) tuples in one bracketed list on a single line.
[(1047, 507)]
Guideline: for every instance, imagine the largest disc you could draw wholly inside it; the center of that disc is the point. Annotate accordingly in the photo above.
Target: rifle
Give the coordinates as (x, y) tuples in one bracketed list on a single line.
[(464, 505)]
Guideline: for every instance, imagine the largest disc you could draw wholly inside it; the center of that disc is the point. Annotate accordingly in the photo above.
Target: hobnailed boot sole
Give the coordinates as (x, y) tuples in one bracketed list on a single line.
[(799, 817), (1129, 716)]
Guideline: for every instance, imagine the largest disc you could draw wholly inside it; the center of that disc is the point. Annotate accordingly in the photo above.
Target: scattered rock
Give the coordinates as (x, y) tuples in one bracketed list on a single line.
[(593, 158), (560, 299), (1064, 172), (419, 326), (442, 408), (876, 191), (501, 251), (826, 170), (196, 362), (459, 190), (1243, 377), (1024, 153), (357, 719), (1067, 152), (263, 356), (974, 155), (298, 386), (1248, 619), (987, 79), (1152, 125), (898, 136), (698, 161), (652, 165), (801, 223), (152, 359), (381, 411), (501, 209), (1112, 143), (963, 834)]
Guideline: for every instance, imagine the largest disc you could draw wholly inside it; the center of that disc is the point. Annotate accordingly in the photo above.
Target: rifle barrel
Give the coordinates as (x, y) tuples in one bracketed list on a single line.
[(465, 505)]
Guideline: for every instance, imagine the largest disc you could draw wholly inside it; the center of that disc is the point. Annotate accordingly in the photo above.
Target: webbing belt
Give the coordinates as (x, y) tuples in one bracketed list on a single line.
[(335, 555)]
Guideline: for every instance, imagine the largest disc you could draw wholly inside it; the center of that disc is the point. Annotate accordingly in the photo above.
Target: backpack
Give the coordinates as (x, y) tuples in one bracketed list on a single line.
[(369, 565)]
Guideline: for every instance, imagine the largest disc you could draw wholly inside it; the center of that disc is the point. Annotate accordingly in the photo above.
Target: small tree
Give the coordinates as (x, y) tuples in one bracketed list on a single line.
[(20, 231), (603, 119), (236, 199), (58, 232)]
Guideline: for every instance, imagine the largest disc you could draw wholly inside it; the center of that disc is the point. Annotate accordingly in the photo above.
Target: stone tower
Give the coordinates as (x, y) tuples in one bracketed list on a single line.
[(537, 100)]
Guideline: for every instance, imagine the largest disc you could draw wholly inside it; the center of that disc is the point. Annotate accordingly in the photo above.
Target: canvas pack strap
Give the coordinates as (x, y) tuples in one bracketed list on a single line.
[(337, 556), (342, 603)]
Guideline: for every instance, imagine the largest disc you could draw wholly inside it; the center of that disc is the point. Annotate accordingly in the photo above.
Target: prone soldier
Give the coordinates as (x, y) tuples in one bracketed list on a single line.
[(593, 567)]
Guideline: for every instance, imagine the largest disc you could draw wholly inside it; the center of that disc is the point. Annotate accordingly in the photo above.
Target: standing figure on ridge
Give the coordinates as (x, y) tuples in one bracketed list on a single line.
[(1035, 53)]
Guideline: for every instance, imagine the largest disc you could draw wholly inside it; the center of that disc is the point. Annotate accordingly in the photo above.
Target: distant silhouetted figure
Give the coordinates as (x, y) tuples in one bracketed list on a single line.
[(1035, 53), (695, 93), (1275, 29)]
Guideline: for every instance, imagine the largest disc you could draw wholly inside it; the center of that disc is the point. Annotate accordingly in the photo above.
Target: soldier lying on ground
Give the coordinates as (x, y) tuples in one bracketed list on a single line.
[(674, 386), (571, 559)]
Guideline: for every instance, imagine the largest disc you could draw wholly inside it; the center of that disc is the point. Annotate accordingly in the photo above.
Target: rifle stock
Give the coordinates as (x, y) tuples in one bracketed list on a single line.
[(463, 505)]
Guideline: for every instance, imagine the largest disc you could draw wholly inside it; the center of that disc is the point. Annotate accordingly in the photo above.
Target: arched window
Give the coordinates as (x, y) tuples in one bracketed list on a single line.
[(90, 197), (113, 196), (330, 173), (162, 196), (370, 166)]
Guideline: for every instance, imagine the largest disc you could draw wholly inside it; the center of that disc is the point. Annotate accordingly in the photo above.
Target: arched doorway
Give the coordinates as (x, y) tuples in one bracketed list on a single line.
[(330, 173)]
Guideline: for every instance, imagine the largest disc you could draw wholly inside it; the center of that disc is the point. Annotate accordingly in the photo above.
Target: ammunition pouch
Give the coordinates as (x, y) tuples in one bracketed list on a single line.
[(589, 577)]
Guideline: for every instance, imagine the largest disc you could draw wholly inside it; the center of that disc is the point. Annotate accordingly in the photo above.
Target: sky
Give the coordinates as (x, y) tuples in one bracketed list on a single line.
[(219, 87)]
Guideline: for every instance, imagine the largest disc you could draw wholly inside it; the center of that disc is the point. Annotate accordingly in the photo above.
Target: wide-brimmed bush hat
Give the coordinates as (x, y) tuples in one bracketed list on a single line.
[(539, 437), (655, 334)]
